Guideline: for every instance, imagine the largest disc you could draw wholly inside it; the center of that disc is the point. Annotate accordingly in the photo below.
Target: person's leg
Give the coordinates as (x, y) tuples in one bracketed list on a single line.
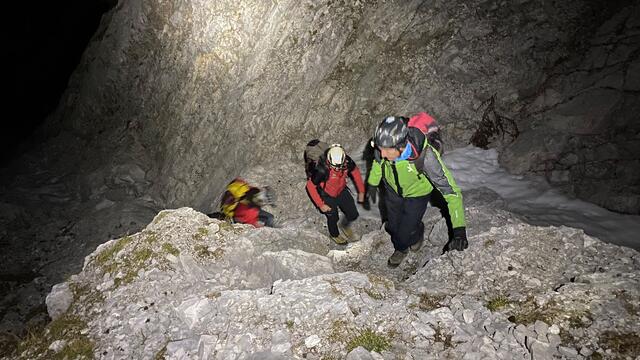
[(394, 206), (348, 207), (419, 238), (382, 207), (410, 227), (266, 218), (332, 216), (403, 218)]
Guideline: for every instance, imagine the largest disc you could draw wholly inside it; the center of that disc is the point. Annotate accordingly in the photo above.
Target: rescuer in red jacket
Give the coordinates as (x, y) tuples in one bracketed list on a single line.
[(242, 203), (327, 187)]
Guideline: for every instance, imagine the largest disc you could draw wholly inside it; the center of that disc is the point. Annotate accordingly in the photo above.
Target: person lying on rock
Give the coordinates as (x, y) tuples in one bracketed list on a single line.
[(242, 203), (410, 169), (327, 187)]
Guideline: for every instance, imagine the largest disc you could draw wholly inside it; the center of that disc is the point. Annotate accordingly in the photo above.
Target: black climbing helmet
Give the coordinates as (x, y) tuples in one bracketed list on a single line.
[(392, 132)]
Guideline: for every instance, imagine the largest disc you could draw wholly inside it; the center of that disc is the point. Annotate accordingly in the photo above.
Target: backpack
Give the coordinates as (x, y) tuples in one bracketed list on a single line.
[(235, 192), (429, 127), (314, 154)]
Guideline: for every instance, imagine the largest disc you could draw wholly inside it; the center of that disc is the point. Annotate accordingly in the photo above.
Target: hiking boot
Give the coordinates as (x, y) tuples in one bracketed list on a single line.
[(340, 240), (415, 247), (396, 258), (348, 233)]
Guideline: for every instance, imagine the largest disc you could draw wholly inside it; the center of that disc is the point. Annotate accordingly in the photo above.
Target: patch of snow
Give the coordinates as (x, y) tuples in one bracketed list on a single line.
[(539, 203)]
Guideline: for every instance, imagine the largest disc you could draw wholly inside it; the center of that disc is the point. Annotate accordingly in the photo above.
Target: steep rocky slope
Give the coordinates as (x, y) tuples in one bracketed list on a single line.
[(189, 287)]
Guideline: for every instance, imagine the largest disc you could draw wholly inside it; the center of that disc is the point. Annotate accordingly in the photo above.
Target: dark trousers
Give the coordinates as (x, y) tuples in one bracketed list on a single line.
[(404, 219), (266, 218), (345, 202)]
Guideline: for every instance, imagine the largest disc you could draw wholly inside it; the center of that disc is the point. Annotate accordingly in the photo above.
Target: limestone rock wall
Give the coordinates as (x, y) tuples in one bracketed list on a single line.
[(582, 129), (199, 90)]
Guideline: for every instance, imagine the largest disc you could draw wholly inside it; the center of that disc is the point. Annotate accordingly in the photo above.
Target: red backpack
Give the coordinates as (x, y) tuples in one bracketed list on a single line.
[(429, 127)]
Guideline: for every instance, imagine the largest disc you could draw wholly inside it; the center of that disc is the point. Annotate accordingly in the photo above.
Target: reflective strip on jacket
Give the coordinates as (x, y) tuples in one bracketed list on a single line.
[(430, 163)]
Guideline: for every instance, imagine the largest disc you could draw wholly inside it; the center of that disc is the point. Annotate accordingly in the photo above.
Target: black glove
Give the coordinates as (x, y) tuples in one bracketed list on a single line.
[(365, 204), (371, 194), (459, 241)]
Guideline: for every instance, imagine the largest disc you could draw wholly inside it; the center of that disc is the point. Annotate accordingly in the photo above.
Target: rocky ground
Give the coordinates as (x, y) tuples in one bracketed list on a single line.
[(191, 287)]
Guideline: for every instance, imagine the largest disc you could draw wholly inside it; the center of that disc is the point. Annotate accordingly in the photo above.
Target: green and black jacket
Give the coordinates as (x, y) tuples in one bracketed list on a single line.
[(419, 175)]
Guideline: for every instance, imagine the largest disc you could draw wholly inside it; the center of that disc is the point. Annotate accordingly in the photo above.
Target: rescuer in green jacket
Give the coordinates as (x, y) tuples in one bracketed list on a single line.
[(410, 169)]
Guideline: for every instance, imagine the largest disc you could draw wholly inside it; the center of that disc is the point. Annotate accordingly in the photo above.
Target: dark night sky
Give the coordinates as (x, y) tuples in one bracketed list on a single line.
[(43, 43)]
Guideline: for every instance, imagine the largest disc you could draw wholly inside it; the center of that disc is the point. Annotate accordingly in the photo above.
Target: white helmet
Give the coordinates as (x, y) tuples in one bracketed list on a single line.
[(336, 156)]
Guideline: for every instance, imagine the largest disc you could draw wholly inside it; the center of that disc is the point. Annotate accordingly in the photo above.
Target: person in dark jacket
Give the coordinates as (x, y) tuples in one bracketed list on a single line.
[(327, 187)]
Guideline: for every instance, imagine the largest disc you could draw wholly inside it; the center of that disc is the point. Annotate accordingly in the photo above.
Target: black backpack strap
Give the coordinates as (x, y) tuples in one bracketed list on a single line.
[(350, 164), (416, 138)]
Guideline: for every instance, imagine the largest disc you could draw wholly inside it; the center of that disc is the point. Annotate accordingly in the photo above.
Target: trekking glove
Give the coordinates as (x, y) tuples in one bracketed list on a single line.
[(366, 205), (459, 241), (371, 193)]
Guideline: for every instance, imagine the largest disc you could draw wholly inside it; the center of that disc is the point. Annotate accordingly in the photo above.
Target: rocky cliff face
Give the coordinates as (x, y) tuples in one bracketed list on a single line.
[(581, 130), (192, 91), (173, 98)]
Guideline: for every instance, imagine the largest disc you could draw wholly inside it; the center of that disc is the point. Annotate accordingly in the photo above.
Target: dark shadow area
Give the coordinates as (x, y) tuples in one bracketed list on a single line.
[(43, 44)]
